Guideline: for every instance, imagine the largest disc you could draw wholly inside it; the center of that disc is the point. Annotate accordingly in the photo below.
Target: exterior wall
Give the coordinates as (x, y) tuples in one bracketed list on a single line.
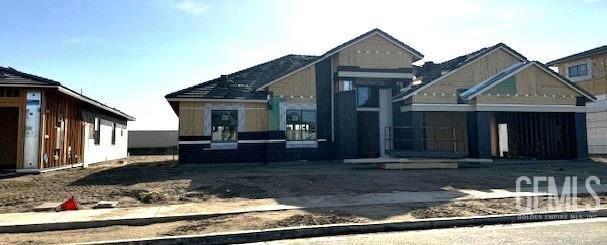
[(435, 122), (445, 90), (191, 118), (373, 52), (597, 83), (105, 151), (532, 86), (597, 132)]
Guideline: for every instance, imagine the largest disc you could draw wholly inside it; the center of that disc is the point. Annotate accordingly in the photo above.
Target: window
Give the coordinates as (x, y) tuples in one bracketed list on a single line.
[(224, 126), (97, 132), (367, 97), (113, 133), (578, 70), (346, 85), (301, 125)]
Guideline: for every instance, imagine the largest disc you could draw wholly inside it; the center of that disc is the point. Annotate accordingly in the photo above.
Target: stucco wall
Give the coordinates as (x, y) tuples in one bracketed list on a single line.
[(105, 150)]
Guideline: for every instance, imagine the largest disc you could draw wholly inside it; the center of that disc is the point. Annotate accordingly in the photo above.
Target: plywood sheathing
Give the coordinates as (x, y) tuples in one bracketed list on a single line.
[(373, 52), (298, 87), (597, 84)]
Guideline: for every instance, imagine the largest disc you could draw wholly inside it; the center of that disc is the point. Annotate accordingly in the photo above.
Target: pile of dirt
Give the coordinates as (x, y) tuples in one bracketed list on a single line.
[(315, 219), (228, 190), (144, 196)]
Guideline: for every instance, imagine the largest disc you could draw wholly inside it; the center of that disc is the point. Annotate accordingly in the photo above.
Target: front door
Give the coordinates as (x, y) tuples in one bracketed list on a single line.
[(9, 128), (368, 134)]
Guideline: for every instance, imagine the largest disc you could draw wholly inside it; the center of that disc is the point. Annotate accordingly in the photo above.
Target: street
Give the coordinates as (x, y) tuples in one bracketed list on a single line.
[(590, 231)]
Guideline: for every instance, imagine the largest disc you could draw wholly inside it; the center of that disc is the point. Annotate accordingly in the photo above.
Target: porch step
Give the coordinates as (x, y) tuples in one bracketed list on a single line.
[(441, 154), (419, 164)]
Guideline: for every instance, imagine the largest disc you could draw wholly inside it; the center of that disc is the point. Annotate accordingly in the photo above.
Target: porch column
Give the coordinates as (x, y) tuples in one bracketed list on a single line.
[(479, 134), (417, 126), (581, 135)]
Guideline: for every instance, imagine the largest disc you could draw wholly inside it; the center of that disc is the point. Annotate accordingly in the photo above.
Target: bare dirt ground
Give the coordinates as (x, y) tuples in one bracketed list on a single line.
[(289, 218), (155, 180)]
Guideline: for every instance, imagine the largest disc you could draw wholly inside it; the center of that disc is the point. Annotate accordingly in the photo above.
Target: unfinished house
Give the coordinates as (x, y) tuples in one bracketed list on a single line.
[(588, 69), (366, 99), (46, 126)]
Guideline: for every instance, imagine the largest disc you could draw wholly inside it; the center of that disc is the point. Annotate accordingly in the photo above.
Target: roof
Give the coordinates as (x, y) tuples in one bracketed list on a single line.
[(249, 83), (581, 55), (450, 66), (242, 84), (12, 77)]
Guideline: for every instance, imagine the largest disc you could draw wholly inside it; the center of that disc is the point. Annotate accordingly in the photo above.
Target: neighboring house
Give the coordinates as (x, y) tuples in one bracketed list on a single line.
[(588, 69), (143, 142), (362, 100), (47, 126)]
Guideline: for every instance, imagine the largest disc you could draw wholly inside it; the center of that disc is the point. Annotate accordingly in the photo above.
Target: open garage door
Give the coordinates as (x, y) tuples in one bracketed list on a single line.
[(9, 129)]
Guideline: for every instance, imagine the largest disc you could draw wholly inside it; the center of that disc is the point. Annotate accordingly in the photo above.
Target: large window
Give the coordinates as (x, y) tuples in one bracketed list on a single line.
[(578, 70), (224, 125), (367, 97), (301, 125)]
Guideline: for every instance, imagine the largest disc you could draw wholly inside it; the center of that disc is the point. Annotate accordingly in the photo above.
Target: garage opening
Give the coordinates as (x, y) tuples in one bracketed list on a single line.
[(9, 129), (535, 135)]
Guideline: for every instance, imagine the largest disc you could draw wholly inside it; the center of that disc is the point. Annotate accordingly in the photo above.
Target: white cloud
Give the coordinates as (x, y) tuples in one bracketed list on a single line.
[(190, 7)]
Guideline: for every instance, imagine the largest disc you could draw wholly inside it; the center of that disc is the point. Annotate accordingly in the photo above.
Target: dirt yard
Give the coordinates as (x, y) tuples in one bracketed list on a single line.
[(155, 180), (276, 219)]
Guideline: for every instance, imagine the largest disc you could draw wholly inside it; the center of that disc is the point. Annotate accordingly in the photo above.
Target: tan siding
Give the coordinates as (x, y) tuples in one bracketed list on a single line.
[(374, 52), (301, 83), (597, 85), (536, 87), (191, 118), (444, 91), (256, 117)]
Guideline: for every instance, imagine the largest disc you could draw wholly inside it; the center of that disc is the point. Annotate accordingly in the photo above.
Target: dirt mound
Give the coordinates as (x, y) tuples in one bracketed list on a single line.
[(227, 190), (313, 219)]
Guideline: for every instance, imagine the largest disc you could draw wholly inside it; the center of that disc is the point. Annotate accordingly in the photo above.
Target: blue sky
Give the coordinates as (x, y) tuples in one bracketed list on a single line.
[(129, 54)]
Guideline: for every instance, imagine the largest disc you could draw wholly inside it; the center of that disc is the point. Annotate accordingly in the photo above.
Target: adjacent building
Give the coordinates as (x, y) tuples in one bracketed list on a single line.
[(588, 69), (46, 126), (152, 142), (366, 99)]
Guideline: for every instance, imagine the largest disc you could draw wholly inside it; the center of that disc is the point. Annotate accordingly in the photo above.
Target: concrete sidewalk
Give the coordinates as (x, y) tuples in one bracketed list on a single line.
[(37, 221)]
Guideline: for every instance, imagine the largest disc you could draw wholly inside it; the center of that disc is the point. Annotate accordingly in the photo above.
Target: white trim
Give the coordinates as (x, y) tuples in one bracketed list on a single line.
[(216, 100), (302, 144), (367, 109), (223, 146), (456, 70), (334, 52), (364, 74), (262, 141), (493, 107), (194, 142), (206, 142)]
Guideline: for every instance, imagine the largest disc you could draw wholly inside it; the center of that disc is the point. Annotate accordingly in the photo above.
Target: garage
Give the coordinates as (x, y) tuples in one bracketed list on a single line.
[(9, 125)]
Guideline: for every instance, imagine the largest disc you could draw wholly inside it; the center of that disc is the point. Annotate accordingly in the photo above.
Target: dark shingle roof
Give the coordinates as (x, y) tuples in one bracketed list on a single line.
[(456, 63), (242, 84), (10, 76), (581, 55)]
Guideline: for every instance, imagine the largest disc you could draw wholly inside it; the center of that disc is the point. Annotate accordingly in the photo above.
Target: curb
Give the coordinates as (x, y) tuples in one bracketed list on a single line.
[(252, 236)]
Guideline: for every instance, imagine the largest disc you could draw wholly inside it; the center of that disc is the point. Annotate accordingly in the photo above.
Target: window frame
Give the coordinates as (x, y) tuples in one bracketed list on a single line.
[(235, 140), (373, 96), (97, 131), (312, 128), (573, 71), (113, 133)]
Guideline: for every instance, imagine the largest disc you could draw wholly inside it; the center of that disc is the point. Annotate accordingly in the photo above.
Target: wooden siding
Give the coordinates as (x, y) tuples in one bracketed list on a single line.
[(373, 52), (191, 118), (19, 103), (444, 91), (533, 86), (256, 117), (597, 84), (55, 107), (300, 86)]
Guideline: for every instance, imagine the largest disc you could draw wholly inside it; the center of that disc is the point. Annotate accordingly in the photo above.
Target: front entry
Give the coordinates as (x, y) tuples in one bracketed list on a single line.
[(368, 134), (9, 128)]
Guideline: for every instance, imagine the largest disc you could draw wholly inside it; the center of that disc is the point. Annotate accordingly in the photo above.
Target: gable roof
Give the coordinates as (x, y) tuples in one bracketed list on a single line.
[(451, 66), (416, 55), (14, 78), (492, 81), (242, 84), (581, 55)]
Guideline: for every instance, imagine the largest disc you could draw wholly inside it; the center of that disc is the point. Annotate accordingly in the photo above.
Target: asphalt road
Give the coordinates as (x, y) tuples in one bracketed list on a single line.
[(590, 231)]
